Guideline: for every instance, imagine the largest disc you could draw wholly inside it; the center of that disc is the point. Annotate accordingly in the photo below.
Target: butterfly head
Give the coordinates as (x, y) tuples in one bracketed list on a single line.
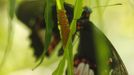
[(82, 23), (86, 13)]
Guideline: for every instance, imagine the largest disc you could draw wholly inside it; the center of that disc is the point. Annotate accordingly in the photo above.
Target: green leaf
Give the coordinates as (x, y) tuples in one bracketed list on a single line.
[(12, 8), (60, 4), (78, 9), (60, 68), (12, 4), (49, 22), (68, 48), (77, 14)]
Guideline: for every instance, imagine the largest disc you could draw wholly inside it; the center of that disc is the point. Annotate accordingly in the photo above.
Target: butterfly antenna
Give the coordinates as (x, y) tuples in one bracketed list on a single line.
[(108, 5)]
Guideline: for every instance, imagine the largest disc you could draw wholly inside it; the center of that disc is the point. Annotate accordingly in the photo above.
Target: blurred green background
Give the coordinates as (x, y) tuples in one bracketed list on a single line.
[(117, 22)]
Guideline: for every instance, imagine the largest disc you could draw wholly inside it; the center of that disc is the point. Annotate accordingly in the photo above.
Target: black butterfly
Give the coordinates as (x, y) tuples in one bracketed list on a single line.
[(85, 60)]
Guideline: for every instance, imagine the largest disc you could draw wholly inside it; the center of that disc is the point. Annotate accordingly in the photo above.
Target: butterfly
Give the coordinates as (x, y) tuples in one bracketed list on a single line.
[(85, 60)]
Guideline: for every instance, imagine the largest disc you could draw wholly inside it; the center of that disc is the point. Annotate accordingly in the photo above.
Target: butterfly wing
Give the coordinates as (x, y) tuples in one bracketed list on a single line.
[(31, 13), (118, 67), (86, 55)]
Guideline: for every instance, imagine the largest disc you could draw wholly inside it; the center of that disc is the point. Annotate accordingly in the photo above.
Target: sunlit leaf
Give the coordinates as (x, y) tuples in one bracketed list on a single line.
[(60, 68), (11, 8), (68, 48), (12, 4)]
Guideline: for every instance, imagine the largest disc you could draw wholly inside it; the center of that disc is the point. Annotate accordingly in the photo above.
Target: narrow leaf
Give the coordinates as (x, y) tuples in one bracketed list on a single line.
[(12, 4), (12, 8), (60, 68)]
